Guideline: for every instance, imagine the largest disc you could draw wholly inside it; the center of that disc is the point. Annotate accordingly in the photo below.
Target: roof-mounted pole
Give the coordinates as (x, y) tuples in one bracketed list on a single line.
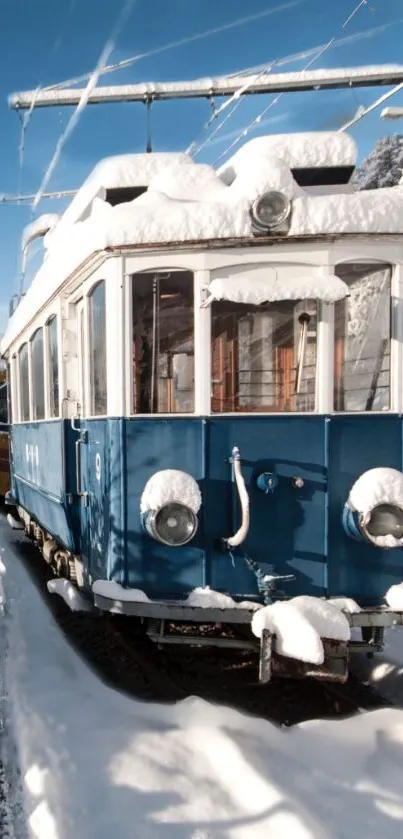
[(304, 80)]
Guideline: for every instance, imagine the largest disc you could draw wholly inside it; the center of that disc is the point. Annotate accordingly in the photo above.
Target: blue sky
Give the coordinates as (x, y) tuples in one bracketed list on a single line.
[(46, 41)]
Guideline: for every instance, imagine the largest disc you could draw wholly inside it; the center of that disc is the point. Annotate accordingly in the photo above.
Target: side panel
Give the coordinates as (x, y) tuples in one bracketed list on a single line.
[(95, 505), (152, 445), (356, 444), (287, 532), (4, 462), (39, 476), (292, 530)]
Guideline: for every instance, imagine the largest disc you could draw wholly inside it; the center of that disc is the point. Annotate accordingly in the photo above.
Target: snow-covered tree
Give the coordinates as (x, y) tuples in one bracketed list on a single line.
[(383, 166)]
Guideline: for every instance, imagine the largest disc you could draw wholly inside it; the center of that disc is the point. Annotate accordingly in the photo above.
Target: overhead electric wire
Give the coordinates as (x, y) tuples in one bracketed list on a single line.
[(106, 52), (181, 42), (363, 113), (261, 69), (361, 35), (246, 130), (25, 119), (237, 97)]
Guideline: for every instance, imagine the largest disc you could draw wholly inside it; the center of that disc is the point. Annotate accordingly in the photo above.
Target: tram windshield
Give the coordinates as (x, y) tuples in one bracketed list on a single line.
[(264, 357)]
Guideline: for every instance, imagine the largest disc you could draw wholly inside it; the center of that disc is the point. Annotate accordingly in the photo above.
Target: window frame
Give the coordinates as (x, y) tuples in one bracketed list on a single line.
[(198, 360), (283, 359), (395, 337), (88, 392), (14, 388), (52, 319), (33, 383), (21, 416)]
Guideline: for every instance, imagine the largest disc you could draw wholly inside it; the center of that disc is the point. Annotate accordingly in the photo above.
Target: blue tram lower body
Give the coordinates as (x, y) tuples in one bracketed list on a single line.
[(293, 530)]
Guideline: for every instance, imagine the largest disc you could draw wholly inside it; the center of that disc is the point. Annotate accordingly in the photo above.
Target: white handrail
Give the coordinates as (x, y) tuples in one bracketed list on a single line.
[(242, 533)]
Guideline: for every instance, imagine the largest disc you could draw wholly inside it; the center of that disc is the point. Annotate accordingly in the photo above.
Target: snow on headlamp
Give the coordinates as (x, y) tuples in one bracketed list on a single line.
[(270, 211), (374, 510), (169, 507)]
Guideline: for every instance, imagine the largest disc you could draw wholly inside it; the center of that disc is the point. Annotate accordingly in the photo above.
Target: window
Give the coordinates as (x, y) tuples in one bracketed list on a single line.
[(3, 402), (38, 380), (24, 383), (163, 343), (264, 357), (97, 336), (53, 350), (362, 339)]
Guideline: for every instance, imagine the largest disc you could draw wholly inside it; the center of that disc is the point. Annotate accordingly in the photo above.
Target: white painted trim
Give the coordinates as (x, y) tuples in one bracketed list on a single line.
[(202, 345), (127, 303), (40, 320), (113, 337), (396, 348), (66, 287), (46, 370), (309, 253), (121, 318), (165, 261), (30, 379), (80, 370), (60, 359), (202, 257), (325, 358), (367, 249), (14, 388), (86, 407)]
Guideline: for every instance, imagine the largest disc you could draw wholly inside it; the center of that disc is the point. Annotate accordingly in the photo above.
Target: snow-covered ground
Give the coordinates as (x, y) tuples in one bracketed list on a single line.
[(385, 670), (97, 765)]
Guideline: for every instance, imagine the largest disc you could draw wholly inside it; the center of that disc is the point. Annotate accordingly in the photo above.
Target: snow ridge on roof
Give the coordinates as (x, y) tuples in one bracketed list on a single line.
[(122, 170), (302, 150)]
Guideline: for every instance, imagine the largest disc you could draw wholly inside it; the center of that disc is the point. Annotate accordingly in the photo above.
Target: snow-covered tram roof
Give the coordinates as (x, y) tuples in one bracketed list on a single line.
[(183, 201)]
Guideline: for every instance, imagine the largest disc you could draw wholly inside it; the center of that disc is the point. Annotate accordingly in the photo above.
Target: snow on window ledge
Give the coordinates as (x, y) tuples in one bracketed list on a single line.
[(256, 291)]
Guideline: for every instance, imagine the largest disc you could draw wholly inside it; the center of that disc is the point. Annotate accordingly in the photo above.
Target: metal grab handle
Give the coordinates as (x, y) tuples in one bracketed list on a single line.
[(80, 442), (304, 319)]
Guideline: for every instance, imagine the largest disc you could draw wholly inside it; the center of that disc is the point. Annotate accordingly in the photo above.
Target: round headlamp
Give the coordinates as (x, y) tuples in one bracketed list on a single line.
[(270, 211), (384, 520), (173, 524)]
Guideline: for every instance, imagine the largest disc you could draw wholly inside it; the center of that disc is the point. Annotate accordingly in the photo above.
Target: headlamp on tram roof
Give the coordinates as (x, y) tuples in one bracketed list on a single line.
[(270, 212), (173, 524)]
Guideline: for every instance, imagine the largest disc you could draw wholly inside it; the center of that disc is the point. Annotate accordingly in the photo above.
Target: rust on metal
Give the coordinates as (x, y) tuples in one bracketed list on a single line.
[(266, 656), (333, 669)]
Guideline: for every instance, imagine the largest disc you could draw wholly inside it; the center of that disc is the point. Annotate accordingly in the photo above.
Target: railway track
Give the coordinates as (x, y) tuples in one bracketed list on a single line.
[(125, 658)]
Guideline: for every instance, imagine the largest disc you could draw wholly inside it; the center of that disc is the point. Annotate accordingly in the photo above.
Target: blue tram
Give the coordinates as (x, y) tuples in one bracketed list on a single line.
[(206, 385)]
